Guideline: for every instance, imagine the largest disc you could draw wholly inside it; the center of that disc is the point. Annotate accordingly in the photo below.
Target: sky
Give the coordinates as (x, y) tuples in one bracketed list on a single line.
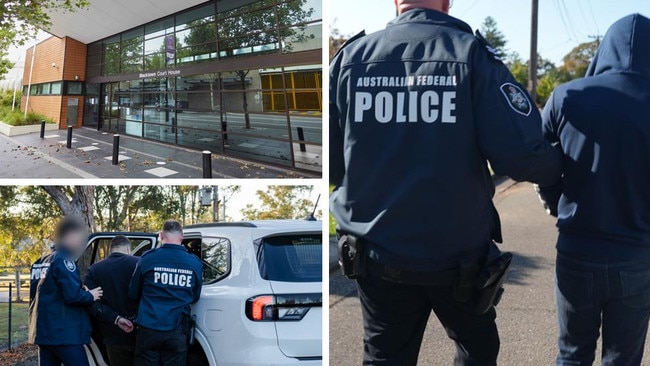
[(563, 24), (247, 195)]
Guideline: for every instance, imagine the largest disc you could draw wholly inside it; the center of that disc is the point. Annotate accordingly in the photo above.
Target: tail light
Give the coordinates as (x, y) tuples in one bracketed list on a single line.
[(281, 307)]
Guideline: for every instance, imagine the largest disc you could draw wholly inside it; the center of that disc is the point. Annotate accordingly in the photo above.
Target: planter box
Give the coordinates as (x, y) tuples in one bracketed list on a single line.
[(9, 130)]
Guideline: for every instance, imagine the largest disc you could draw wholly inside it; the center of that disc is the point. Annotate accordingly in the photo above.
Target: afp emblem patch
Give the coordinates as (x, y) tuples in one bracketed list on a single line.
[(517, 99), (70, 265)]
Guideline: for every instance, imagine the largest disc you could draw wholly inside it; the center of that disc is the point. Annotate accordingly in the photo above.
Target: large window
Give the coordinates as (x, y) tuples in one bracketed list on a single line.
[(269, 114), (218, 30)]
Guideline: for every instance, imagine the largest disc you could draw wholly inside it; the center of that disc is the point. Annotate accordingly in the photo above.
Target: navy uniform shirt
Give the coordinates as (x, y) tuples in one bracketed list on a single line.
[(113, 275), (59, 315), (602, 124), (166, 281), (416, 111)]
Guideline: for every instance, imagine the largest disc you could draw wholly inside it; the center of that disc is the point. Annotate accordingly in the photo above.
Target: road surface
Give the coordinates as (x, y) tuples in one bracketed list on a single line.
[(526, 316)]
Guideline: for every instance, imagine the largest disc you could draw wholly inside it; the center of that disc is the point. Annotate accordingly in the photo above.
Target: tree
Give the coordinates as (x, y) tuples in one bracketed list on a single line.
[(518, 68), (577, 61), (20, 20), (281, 202), (493, 35), (336, 41), (253, 28)]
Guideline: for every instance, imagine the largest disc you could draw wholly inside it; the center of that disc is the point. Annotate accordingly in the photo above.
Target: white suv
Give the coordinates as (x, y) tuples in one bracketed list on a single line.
[(261, 302)]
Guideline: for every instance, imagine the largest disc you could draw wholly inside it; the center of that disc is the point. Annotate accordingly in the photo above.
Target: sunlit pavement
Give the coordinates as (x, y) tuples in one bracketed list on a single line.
[(526, 316), (28, 156)]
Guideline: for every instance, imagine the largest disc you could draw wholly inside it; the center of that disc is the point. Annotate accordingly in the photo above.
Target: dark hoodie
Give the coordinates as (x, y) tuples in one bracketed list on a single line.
[(603, 125)]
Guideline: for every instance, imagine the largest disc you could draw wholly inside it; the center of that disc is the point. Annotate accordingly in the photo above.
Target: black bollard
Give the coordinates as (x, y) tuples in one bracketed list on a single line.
[(42, 129), (207, 164), (69, 142), (301, 137), (116, 149)]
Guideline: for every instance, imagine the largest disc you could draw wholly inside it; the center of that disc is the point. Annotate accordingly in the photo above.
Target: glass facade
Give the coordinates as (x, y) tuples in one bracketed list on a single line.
[(237, 77)]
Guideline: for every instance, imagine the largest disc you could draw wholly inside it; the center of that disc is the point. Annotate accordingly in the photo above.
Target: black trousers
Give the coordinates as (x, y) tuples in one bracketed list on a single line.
[(166, 348), (120, 354), (395, 317)]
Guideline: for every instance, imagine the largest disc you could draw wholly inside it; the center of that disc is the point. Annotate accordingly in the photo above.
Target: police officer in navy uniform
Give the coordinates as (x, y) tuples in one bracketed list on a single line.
[(166, 281), (38, 269), (116, 309), (416, 112), (59, 322)]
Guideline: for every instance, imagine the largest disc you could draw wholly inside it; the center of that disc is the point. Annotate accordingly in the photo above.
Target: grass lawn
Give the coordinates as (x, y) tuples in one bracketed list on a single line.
[(19, 323)]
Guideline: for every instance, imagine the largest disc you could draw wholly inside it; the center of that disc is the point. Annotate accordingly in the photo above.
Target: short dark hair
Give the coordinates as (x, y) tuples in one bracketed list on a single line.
[(172, 226), (120, 241), (67, 225)]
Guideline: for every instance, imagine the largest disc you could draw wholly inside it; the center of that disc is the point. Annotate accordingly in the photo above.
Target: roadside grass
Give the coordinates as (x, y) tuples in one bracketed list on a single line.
[(19, 321)]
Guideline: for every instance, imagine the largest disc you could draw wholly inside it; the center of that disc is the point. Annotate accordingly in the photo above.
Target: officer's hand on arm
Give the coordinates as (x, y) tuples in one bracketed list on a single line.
[(97, 293), (550, 194), (125, 324), (66, 275), (508, 124)]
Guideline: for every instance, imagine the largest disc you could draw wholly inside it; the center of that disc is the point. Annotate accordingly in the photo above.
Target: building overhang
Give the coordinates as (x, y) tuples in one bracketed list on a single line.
[(104, 18)]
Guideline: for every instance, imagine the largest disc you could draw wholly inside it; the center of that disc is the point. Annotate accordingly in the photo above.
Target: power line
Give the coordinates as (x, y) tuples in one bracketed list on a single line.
[(593, 16), (469, 8)]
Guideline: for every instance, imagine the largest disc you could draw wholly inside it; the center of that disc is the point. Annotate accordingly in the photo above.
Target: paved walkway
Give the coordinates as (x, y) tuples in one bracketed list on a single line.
[(29, 156)]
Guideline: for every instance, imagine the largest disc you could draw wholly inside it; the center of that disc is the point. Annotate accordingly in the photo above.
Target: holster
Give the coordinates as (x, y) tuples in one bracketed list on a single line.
[(480, 286), (188, 326), (352, 257)]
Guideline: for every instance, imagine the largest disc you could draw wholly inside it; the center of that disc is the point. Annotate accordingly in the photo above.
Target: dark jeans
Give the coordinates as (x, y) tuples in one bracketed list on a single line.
[(119, 355), (166, 348), (395, 317), (66, 355), (615, 297)]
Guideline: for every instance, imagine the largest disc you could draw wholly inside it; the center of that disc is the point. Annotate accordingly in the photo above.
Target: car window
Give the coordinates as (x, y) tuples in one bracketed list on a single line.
[(214, 254), (290, 258), (100, 247)]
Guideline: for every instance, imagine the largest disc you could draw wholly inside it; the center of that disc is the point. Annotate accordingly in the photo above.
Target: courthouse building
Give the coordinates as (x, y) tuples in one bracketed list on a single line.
[(237, 77)]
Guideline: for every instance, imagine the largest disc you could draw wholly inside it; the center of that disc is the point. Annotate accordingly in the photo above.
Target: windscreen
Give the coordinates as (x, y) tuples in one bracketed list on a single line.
[(291, 258)]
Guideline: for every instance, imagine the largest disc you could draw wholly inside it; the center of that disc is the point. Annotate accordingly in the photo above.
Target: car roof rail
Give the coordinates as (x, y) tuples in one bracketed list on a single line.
[(221, 224)]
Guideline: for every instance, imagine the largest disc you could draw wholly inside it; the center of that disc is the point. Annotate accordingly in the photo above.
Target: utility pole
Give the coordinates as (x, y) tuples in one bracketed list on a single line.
[(215, 203), (532, 69), (597, 37)]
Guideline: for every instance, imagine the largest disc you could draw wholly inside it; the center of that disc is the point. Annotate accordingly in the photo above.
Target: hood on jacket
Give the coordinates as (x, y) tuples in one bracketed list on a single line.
[(624, 48)]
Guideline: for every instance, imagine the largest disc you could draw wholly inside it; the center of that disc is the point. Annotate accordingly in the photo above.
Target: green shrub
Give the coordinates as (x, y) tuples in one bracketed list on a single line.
[(17, 118), (7, 97)]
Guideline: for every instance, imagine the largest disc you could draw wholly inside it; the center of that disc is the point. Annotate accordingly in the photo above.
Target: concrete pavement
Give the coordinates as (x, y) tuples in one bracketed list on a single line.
[(28, 156), (526, 316)]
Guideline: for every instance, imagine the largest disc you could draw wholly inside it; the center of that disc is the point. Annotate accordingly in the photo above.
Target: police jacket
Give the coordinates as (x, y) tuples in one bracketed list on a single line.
[(38, 270), (59, 314), (166, 281), (416, 111), (113, 275), (603, 126)]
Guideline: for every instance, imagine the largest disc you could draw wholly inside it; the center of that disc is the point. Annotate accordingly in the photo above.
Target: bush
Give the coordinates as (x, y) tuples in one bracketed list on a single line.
[(7, 97), (17, 118)]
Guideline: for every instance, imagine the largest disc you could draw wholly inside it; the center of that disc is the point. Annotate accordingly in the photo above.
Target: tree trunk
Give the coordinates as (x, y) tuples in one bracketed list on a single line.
[(242, 78), (81, 204)]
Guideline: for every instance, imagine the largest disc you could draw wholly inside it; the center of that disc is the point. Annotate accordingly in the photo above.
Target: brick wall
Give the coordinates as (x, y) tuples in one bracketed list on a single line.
[(49, 51), (48, 105), (69, 57), (75, 60)]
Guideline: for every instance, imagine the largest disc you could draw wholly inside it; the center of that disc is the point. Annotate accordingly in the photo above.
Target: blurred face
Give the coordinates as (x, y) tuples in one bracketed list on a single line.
[(75, 241)]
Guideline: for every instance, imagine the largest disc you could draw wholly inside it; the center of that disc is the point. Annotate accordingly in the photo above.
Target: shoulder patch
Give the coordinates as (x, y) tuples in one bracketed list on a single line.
[(517, 99), (492, 52), (70, 265), (349, 42)]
